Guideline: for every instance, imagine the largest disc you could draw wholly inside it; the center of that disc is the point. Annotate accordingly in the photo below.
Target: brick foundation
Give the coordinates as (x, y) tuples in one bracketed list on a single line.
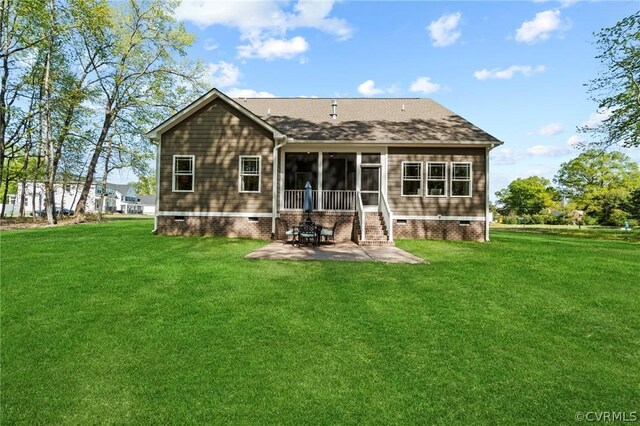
[(261, 229), (233, 227), (344, 230), (439, 230)]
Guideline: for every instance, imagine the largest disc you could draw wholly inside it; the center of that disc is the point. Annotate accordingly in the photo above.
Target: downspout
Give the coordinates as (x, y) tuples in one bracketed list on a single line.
[(486, 179), (155, 216), (274, 196)]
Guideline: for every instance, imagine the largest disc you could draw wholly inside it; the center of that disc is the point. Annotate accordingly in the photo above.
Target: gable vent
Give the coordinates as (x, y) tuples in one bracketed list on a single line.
[(334, 106)]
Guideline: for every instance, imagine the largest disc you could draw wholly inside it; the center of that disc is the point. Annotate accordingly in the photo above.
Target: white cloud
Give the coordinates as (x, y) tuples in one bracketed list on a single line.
[(550, 129), (264, 24), (574, 140), (248, 93), (596, 118), (508, 73), (424, 85), (563, 3), (504, 156), (368, 88), (444, 30), (223, 74), (210, 44), (541, 27), (315, 14), (273, 48), (547, 150)]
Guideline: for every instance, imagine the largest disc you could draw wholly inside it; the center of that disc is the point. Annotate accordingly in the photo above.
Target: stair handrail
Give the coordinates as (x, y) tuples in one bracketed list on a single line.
[(361, 215), (387, 215)]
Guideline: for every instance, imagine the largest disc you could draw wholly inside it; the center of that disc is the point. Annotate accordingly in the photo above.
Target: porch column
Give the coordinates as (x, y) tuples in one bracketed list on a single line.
[(320, 161)]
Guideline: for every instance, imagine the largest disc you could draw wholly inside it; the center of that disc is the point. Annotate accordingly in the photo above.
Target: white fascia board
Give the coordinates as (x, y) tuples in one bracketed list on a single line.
[(415, 217), (392, 143), (213, 214)]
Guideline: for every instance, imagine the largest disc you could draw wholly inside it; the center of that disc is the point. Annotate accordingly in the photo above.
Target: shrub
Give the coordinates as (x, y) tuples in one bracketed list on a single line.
[(617, 217)]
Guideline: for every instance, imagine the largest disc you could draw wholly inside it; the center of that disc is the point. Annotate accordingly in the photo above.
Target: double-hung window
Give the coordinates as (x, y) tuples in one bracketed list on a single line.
[(250, 173), (183, 173), (436, 179), (411, 179), (460, 179)]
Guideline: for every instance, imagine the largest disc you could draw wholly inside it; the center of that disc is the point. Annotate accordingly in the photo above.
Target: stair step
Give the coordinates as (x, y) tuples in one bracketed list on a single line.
[(376, 243)]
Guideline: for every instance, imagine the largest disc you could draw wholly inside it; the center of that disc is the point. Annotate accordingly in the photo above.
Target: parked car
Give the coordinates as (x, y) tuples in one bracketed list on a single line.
[(43, 213)]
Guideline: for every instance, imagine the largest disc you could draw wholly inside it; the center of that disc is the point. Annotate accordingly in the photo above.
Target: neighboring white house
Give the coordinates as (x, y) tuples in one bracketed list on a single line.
[(118, 198), (148, 204)]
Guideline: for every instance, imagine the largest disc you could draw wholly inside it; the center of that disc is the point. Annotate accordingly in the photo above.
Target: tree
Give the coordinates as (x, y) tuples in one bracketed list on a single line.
[(599, 182), (633, 202), (617, 88), (527, 196), (146, 184), (139, 76)]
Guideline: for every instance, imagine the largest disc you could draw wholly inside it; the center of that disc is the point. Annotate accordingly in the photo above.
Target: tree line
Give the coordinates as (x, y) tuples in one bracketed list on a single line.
[(603, 186), (600, 183), (81, 82)]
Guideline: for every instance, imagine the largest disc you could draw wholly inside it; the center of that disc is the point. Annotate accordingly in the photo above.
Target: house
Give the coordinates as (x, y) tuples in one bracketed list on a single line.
[(382, 168), (118, 198), (148, 203)]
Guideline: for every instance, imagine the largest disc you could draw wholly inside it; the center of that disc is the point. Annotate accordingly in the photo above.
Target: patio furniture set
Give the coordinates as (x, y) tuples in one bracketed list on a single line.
[(309, 232)]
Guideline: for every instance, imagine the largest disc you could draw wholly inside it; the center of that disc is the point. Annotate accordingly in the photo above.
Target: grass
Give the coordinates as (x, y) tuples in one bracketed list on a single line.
[(106, 323), (598, 232)]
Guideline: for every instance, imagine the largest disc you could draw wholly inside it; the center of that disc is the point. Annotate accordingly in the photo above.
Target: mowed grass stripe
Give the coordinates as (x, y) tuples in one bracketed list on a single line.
[(108, 323)]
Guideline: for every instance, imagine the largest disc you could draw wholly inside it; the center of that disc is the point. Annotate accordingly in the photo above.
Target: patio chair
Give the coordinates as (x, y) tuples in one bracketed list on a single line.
[(289, 232), (329, 234), (307, 233)]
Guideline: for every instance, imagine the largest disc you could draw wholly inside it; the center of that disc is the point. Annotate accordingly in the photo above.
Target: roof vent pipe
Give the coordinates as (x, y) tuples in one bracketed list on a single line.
[(334, 105)]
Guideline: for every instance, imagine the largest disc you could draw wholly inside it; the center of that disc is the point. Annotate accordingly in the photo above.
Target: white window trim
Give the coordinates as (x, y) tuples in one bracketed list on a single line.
[(461, 180), (240, 174), (446, 175), (193, 173), (402, 194)]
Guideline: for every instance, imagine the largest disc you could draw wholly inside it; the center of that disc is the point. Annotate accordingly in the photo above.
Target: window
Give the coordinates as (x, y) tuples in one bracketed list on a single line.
[(436, 179), (370, 158), (183, 171), (250, 173), (411, 179), (460, 179)]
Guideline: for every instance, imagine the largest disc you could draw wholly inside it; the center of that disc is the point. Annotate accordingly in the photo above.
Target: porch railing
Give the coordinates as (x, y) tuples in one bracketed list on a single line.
[(293, 199), (361, 215), (331, 200), (387, 215), (338, 200)]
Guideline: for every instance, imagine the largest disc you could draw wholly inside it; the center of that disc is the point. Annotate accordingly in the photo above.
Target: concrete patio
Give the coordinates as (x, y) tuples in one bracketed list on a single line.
[(341, 251)]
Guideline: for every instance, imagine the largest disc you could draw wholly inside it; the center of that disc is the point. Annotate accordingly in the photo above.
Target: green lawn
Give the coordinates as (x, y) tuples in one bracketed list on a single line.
[(106, 323)]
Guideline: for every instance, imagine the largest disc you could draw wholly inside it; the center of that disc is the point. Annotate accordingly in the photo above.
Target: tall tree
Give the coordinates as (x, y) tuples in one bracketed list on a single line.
[(616, 90), (141, 74), (599, 182), (527, 196)]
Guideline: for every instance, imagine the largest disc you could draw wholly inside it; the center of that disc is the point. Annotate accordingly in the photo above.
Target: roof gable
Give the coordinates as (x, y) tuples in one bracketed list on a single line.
[(199, 103)]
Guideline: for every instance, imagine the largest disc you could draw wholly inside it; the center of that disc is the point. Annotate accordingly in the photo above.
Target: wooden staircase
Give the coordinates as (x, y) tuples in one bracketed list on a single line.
[(375, 230)]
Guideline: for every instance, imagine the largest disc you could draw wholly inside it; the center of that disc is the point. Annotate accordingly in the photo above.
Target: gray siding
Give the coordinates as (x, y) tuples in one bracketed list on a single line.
[(429, 206), (216, 135)]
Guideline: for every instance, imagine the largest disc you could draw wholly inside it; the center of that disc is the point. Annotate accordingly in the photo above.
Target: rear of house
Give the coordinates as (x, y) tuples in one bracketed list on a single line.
[(379, 168)]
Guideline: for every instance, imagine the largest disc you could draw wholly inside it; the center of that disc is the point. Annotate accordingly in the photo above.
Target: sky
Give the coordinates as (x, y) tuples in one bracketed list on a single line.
[(515, 69)]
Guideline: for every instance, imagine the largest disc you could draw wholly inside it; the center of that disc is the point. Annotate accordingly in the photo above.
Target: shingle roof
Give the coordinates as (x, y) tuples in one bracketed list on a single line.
[(122, 188), (147, 199), (360, 119)]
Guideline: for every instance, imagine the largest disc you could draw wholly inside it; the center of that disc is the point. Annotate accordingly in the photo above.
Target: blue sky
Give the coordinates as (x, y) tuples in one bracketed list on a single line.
[(515, 69)]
